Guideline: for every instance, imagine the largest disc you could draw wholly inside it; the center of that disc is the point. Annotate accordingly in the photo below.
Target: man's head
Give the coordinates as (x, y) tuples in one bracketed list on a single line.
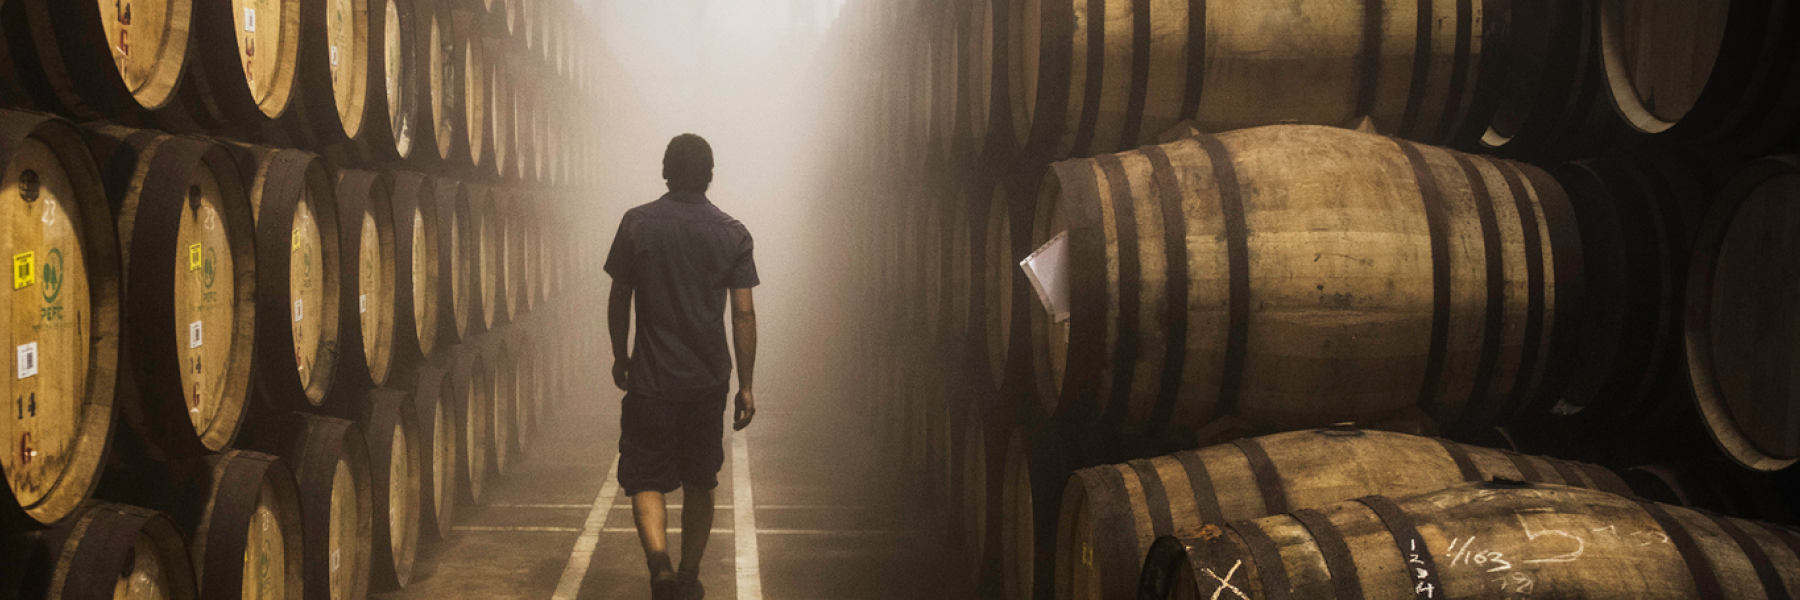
[(688, 164)]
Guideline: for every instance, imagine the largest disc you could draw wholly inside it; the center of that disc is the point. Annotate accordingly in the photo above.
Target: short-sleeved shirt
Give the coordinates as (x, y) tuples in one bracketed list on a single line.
[(680, 254)]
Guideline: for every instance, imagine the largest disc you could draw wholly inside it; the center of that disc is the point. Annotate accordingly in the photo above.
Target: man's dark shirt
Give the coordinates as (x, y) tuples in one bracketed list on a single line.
[(680, 253)]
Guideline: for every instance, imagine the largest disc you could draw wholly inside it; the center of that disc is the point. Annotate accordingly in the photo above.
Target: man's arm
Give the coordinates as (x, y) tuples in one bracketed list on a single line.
[(743, 336), (618, 321)]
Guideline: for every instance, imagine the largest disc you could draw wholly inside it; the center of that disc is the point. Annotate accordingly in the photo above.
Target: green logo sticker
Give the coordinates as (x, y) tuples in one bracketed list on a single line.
[(206, 268), (52, 275)]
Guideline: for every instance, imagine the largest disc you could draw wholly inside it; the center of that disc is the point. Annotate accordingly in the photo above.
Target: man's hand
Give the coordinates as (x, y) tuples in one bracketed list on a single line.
[(746, 410), (622, 375)]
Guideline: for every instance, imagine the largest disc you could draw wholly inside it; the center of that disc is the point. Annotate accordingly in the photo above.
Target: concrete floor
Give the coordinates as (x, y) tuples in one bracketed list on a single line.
[(830, 520)]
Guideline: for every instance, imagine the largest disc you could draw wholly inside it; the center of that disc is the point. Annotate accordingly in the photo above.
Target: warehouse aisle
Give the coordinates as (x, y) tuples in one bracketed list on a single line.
[(830, 522)]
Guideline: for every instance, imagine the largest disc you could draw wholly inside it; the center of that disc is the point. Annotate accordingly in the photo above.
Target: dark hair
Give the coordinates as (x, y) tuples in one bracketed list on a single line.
[(688, 163)]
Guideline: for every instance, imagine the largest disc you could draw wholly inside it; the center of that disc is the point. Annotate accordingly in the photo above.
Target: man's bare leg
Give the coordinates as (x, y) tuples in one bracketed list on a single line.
[(696, 526), (652, 517)]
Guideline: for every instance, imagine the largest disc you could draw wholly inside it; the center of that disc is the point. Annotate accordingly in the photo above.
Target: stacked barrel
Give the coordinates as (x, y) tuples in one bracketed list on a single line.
[(289, 282), (1318, 260)]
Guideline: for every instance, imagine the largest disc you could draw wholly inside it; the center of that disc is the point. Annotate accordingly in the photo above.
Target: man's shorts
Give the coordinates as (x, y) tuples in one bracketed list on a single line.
[(666, 443)]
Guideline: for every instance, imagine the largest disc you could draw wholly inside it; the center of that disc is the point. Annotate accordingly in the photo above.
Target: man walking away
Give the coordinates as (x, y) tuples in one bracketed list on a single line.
[(680, 257)]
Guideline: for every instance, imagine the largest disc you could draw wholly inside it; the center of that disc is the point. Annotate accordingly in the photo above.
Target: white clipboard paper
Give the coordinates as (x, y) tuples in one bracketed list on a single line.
[(1048, 270)]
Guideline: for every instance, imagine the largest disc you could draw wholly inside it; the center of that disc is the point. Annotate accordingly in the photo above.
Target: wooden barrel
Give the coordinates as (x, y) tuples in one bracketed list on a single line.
[(108, 551), (1323, 282), (943, 82), (486, 206), (472, 389), (527, 119), (1742, 288), (477, 102), (1553, 102), (1049, 337), (440, 435), (1477, 541), (501, 91), (1094, 77), (1111, 514), (1036, 466), (504, 376), (1721, 73), (391, 130), (527, 399), (181, 200), (391, 431), (444, 81), (981, 49), (972, 474), (247, 51), (417, 297), (365, 211), (531, 250), (331, 465), (104, 59), (297, 286), (332, 71), (455, 264), (243, 524), (62, 319), (512, 250), (1711, 483)]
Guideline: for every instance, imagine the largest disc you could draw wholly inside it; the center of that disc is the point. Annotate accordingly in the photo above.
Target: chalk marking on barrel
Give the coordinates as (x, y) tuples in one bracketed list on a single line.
[(749, 567), (1225, 582), (576, 571)]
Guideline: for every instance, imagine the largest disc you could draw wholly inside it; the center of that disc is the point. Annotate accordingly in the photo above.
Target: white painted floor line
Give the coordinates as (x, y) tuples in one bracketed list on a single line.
[(674, 533), (743, 518), (540, 506), (583, 554), (513, 528)]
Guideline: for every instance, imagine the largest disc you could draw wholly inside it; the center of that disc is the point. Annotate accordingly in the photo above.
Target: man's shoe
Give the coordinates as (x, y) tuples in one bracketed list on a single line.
[(690, 586), (665, 586)]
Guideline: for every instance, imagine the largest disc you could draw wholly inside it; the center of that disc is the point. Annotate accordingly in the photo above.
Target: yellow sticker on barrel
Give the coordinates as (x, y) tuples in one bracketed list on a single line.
[(194, 260), (24, 270)]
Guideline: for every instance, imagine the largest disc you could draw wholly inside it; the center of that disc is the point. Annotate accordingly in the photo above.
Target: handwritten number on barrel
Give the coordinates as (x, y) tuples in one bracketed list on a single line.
[(27, 407)]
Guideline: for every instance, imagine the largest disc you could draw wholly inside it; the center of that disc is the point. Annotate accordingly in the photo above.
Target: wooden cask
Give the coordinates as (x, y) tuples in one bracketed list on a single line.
[(242, 519), (1327, 276), (107, 551), (527, 386), (443, 81), (417, 287), (487, 267), (501, 91), (516, 211), (503, 369), (1484, 540), (62, 319), (331, 465), (942, 83), (477, 95), (247, 53), (396, 454), (440, 435), (472, 397), (331, 81), (188, 251), (982, 49), (1743, 286), (395, 65), (299, 273), (1714, 72), (1111, 514), (1553, 102), (1095, 77), (456, 238), (106, 59), (365, 211)]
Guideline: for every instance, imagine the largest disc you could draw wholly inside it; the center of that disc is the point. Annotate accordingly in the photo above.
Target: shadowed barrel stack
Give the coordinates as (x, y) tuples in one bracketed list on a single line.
[(1434, 299), (290, 280)]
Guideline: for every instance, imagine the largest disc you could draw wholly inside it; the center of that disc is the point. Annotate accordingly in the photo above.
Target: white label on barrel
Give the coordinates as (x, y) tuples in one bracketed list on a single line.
[(334, 559), (299, 310), (194, 335), (28, 363), (249, 19), (334, 56), (362, 303)]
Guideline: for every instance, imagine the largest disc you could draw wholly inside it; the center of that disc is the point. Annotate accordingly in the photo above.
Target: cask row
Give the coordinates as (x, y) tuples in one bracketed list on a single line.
[(367, 244), (297, 286), (188, 250), (472, 397), (1112, 513), (62, 319), (1477, 541), (1742, 288), (1294, 276), (331, 465), (391, 430), (105, 59), (242, 518), (1095, 77), (107, 551), (1716, 73), (417, 301), (440, 435)]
